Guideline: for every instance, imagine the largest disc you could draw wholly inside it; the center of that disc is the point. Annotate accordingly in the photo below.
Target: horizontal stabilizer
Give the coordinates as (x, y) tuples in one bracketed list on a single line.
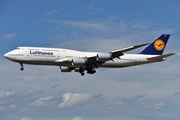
[(161, 56)]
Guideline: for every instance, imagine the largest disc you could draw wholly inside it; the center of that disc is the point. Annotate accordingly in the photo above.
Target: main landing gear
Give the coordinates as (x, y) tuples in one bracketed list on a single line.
[(89, 71), (22, 68), (81, 72)]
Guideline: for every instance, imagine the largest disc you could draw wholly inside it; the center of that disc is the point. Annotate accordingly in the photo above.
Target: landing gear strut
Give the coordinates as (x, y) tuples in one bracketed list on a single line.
[(91, 71), (82, 72), (22, 68)]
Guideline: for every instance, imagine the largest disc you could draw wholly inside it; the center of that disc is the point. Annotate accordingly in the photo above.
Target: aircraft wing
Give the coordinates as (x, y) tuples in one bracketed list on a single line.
[(117, 53), (161, 56), (96, 59)]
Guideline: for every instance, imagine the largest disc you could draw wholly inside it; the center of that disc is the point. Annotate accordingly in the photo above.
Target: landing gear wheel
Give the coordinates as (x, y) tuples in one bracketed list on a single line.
[(94, 71), (91, 71), (22, 69), (82, 74), (81, 71)]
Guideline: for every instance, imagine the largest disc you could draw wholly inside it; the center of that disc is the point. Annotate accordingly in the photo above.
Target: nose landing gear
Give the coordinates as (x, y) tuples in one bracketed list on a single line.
[(22, 68)]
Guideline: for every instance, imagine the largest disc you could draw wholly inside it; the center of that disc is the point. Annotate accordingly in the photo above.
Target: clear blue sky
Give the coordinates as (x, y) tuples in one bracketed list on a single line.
[(43, 93)]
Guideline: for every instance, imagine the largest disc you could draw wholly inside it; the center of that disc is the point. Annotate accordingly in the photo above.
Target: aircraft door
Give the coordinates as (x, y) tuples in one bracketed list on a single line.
[(27, 53)]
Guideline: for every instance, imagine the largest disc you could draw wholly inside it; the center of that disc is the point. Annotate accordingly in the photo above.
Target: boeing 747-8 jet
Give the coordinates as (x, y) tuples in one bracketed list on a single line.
[(78, 61)]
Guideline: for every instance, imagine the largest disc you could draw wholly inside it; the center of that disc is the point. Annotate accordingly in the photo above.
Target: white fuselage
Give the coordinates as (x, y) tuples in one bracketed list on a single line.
[(54, 56)]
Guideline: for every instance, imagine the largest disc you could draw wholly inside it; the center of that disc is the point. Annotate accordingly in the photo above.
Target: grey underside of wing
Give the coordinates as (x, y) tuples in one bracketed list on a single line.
[(92, 62)]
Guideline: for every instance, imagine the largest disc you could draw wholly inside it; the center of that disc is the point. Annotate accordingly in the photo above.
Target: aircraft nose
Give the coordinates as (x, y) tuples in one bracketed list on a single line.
[(6, 55)]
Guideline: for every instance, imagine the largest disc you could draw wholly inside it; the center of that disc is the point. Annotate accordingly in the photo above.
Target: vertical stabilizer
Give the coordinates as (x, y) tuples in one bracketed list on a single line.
[(157, 46)]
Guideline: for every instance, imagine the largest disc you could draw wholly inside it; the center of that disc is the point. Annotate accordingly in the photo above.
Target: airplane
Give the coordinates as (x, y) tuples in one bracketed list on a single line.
[(78, 61)]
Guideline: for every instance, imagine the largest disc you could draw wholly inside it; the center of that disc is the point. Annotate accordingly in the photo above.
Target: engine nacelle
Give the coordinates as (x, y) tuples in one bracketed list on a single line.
[(104, 56), (65, 69), (79, 62)]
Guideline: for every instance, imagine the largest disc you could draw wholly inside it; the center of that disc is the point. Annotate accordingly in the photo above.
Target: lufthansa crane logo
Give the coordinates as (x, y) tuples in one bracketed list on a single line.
[(159, 45)]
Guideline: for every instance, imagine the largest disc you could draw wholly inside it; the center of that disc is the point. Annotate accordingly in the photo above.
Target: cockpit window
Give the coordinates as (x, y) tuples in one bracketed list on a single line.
[(17, 48)]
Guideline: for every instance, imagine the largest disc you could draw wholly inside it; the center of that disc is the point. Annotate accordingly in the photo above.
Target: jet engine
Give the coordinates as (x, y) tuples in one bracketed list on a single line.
[(65, 69), (79, 62), (104, 57)]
